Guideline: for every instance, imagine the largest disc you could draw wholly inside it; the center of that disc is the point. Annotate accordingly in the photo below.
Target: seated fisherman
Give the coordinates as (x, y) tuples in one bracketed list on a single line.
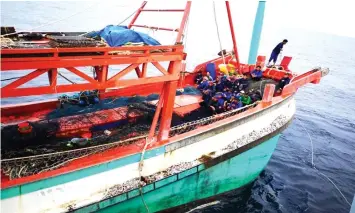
[(206, 97), (283, 82), (257, 74), (244, 98), (219, 84), (218, 104), (227, 82), (242, 83), (255, 96), (209, 76), (227, 95), (211, 87), (234, 104), (203, 85), (236, 95), (199, 77)]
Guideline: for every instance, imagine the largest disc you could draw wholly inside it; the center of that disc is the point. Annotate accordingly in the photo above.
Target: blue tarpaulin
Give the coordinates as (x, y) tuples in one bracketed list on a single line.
[(117, 36)]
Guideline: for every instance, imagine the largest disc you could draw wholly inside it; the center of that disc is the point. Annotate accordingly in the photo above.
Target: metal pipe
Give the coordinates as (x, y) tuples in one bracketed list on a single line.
[(255, 40), (163, 10), (156, 115), (137, 14), (183, 21), (233, 36), (155, 28)]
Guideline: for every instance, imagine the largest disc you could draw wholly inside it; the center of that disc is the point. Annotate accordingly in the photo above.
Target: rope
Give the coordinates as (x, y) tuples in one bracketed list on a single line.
[(314, 166), (8, 79), (66, 78), (178, 127), (140, 168), (219, 39), (75, 150), (53, 22)]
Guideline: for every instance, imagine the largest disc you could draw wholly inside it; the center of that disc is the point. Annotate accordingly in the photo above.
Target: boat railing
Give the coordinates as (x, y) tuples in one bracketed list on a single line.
[(25, 166), (189, 126)]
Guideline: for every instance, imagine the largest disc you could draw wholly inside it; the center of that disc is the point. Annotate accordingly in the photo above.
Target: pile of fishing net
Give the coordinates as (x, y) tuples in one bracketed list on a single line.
[(74, 41)]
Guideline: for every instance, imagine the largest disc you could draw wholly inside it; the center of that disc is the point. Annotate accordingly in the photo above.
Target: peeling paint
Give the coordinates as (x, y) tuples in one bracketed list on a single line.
[(175, 169)]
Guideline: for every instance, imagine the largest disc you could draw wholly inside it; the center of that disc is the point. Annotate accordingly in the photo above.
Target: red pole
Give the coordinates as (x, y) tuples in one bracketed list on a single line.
[(156, 115), (137, 14), (183, 21), (233, 36), (169, 101)]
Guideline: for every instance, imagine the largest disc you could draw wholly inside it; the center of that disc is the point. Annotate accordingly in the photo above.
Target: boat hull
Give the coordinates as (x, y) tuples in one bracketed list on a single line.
[(202, 182), (217, 158)]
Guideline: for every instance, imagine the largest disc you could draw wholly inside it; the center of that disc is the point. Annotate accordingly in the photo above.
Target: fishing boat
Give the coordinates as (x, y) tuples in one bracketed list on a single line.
[(131, 145)]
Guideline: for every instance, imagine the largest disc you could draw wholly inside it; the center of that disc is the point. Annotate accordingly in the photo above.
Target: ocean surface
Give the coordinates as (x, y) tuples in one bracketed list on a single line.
[(327, 110)]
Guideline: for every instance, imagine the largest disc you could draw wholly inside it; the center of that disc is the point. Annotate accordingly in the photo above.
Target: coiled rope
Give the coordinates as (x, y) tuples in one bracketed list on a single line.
[(314, 166)]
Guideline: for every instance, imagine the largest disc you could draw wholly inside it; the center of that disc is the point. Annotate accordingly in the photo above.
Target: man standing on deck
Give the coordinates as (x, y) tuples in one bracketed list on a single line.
[(276, 51)]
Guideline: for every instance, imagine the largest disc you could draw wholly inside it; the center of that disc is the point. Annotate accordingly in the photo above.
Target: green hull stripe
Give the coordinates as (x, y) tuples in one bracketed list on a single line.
[(194, 184), (72, 176)]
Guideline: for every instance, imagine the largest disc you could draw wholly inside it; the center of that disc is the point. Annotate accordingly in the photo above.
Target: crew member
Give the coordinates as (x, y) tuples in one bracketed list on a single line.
[(276, 51)]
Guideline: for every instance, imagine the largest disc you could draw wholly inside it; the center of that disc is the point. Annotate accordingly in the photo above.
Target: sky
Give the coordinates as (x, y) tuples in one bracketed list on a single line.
[(329, 16)]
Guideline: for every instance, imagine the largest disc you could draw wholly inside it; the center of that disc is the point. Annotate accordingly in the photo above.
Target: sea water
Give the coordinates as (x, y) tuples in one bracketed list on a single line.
[(327, 110)]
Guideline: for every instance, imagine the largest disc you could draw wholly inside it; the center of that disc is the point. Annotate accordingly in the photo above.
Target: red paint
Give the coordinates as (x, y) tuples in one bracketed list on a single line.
[(156, 114), (103, 57), (309, 77), (154, 28), (268, 93), (275, 73), (163, 10), (233, 36), (183, 22), (260, 61), (137, 14), (286, 60)]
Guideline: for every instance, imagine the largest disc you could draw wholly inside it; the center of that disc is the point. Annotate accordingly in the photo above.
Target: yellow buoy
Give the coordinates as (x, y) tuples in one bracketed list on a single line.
[(223, 69)]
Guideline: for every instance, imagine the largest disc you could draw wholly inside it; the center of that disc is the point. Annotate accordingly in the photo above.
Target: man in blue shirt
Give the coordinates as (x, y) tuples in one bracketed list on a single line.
[(204, 84), (276, 51), (283, 82), (257, 73)]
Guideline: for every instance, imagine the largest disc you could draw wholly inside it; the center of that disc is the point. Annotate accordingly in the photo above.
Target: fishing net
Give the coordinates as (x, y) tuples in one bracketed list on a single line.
[(37, 159), (69, 109), (74, 41)]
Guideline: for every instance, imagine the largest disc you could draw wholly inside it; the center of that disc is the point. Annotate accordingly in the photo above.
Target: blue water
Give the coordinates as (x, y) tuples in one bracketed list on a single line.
[(327, 110)]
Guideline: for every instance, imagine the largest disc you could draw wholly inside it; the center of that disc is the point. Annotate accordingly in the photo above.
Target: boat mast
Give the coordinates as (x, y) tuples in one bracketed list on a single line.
[(255, 40), (235, 49)]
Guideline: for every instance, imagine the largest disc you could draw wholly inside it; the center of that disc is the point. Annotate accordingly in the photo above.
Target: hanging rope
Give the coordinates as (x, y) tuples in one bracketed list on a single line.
[(8, 79), (60, 74), (314, 166), (219, 39), (140, 168)]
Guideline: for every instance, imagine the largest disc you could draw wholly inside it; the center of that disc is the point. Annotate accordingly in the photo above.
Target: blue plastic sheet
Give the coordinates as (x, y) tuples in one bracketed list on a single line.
[(117, 36)]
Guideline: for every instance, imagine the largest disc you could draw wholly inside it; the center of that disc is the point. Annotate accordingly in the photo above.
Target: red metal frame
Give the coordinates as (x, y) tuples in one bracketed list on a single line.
[(57, 58), (233, 36), (50, 60), (179, 30)]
